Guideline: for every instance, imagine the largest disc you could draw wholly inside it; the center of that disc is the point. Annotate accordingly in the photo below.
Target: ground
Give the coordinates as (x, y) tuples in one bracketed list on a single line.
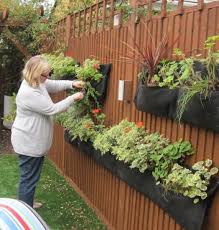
[(5, 142), (63, 208)]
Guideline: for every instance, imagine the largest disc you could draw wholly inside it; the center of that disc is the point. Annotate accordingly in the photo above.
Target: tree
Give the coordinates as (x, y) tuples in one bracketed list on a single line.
[(65, 7)]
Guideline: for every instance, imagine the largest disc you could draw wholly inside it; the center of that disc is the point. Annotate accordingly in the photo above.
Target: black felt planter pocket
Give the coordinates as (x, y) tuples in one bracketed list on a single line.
[(182, 209), (156, 100), (101, 87), (202, 112), (69, 140), (201, 67), (189, 215), (107, 160), (85, 147)]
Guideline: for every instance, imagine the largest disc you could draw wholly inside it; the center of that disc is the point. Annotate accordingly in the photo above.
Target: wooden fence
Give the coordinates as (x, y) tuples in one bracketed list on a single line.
[(91, 32)]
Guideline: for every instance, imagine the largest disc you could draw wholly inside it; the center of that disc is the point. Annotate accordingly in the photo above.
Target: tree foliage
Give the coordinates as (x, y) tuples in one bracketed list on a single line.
[(65, 7)]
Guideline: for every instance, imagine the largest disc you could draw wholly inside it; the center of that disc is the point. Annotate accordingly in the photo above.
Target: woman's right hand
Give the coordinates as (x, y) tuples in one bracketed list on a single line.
[(78, 96)]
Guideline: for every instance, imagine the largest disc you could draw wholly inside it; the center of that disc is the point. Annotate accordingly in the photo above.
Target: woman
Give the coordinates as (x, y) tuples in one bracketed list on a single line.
[(32, 130)]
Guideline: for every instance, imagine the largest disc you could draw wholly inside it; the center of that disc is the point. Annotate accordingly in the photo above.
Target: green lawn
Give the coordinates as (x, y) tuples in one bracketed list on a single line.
[(63, 208)]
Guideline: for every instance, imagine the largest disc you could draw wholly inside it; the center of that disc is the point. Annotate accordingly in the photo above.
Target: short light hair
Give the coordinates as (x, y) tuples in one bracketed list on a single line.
[(34, 68)]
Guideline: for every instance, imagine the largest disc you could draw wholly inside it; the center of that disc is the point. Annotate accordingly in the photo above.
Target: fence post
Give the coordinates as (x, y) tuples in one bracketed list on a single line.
[(164, 8), (180, 7), (68, 29), (200, 4), (133, 3)]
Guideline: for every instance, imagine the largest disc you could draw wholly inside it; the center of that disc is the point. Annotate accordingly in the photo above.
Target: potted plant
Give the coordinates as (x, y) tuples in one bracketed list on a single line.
[(149, 58), (96, 76), (198, 100), (155, 167)]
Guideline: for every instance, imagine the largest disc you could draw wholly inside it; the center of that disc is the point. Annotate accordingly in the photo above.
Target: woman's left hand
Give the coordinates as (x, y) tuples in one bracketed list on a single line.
[(78, 84)]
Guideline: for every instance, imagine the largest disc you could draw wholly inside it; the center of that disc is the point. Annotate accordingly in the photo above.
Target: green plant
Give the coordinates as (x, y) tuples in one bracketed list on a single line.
[(106, 141), (83, 127), (192, 183), (127, 143), (150, 144), (212, 60), (148, 57), (130, 143), (164, 159), (89, 73), (61, 65), (197, 84), (173, 74)]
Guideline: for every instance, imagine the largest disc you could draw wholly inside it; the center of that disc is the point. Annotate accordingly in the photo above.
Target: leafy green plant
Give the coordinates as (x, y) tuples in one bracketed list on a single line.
[(61, 65), (106, 141), (197, 84), (83, 128), (151, 144), (192, 183), (89, 73), (164, 159), (173, 74), (148, 56)]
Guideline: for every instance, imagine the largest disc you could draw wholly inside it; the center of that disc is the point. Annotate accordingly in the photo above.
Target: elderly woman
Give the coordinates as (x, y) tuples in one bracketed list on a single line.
[(32, 130)]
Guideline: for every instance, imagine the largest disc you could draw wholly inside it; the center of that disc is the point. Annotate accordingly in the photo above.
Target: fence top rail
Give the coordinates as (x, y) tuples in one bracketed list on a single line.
[(113, 5)]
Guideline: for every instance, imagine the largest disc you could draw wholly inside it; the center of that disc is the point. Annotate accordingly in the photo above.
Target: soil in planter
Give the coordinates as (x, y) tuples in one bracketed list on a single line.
[(203, 112), (156, 100)]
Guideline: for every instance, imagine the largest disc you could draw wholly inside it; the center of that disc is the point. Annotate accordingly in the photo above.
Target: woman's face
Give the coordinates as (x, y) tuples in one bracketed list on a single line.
[(45, 76)]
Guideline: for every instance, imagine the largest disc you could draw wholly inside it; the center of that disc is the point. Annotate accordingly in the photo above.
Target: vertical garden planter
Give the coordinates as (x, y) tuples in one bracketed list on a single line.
[(189, 215), (156, 100), (101, 87), (202, 112)]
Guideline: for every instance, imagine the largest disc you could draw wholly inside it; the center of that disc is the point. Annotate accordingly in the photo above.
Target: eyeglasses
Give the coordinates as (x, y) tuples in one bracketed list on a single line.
[(48, 75)]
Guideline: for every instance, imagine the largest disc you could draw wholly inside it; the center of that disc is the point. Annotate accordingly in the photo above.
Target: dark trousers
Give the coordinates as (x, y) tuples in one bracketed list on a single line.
[(30, 169)]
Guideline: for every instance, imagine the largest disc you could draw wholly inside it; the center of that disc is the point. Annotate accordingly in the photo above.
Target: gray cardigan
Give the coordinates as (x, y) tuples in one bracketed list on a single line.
[(32, 130)]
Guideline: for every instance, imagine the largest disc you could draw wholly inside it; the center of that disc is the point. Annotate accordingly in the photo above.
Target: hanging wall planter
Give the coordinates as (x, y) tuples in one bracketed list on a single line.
[(68, 139), (202, 112), (189, 215), (156, 100), (201, 67), (101, 87)]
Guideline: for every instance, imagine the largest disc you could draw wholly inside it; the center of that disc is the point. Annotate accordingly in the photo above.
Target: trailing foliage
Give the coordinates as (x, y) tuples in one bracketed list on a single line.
[(196, 84), (192, 183), (83, 127), (89, 71)]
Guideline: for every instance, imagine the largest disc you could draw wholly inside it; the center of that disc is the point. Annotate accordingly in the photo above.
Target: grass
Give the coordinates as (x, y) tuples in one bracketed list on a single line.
[(63, 208)]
